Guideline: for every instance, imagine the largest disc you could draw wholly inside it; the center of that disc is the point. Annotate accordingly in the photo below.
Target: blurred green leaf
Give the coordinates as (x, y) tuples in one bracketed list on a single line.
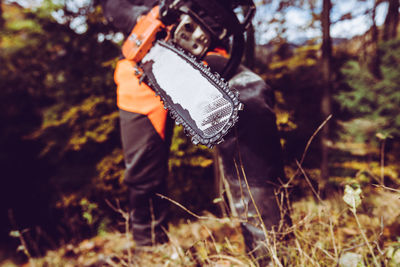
[(370, 99)]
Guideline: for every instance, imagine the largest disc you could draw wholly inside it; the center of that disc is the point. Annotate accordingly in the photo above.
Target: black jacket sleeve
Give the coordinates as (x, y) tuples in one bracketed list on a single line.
[(124, 13)]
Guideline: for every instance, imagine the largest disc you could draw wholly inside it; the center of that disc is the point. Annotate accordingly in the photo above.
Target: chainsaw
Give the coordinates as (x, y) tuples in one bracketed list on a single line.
[(168, 46)]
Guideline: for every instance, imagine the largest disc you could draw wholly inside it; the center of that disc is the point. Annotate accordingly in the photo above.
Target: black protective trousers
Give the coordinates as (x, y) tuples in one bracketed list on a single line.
[(250, 156)]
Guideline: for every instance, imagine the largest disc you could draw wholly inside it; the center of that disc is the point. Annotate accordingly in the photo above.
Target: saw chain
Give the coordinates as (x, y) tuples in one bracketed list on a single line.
[(201, 101)]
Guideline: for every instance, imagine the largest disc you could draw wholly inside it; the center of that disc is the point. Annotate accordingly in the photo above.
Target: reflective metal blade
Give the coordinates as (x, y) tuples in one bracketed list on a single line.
[(197, 99)]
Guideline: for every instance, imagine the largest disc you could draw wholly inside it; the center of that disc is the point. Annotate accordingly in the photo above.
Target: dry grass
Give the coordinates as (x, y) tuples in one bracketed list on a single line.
[(326, 233)]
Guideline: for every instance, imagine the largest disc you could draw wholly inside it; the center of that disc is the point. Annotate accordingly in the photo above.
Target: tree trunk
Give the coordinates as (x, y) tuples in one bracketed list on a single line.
[(249, 52), (375, 63), (250, 47), (1, 15), (326, 67), (391, 21)]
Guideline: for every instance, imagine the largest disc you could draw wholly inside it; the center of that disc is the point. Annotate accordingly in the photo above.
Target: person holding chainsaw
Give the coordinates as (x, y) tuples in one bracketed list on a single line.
[(167, 42)]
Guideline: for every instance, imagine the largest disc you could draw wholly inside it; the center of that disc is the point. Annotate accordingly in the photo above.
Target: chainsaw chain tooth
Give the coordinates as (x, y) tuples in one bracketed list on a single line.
[(195, 141)]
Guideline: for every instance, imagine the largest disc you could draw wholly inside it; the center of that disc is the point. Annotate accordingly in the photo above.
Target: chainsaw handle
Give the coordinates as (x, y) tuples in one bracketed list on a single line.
[(143, 35), (235, 58)]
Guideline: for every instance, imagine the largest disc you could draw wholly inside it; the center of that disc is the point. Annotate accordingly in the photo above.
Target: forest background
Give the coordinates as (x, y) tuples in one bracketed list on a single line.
[(337, 104)]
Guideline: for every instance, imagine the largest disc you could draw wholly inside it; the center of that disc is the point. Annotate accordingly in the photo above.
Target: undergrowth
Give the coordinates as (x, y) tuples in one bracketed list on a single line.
[(356, 227)]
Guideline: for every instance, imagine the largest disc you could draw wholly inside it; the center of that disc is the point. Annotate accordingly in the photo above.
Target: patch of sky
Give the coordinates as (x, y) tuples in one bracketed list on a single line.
[(361, 21), (297, 20), (79, 25), (115, 37)]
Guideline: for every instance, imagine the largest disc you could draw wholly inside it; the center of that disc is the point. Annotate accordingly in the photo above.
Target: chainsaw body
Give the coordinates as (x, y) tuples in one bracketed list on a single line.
[(168, 59), (143, 36)]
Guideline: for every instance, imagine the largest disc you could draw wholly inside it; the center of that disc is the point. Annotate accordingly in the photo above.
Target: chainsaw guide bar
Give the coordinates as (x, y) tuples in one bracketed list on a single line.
[(197, 99)]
